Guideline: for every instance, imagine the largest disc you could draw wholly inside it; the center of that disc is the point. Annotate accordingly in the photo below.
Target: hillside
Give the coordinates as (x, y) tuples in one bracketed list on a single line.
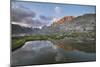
[(17, 29), (82, 23)]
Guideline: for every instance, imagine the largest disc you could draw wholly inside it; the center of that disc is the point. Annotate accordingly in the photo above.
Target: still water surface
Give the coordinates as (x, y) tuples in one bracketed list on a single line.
[(44, 52)]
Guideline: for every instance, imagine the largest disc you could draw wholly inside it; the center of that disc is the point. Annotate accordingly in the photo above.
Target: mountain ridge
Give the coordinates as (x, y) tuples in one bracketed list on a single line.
[(81, 23)]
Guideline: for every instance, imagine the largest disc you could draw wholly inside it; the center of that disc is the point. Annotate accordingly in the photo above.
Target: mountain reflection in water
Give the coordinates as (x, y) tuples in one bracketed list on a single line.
[(44, 52)]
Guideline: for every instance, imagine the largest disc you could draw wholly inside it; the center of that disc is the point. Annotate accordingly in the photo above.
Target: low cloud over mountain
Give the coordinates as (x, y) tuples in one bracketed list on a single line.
[(46, 18), (24, 16)]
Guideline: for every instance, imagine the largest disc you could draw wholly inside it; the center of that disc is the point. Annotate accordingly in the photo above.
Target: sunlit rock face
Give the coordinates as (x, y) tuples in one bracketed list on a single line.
[(65, 19), (34, 52)]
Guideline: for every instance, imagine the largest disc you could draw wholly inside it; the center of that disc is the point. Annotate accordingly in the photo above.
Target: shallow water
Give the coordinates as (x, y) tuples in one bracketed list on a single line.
[(44, 52)]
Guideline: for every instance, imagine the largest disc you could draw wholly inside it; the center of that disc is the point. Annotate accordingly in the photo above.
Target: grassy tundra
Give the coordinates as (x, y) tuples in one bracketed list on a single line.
[(17, 42)]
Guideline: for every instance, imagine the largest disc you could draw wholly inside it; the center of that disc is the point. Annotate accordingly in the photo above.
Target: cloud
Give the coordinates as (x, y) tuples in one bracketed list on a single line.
[(45, 18), (35, 23), (55, 19), (24, 16), (57, 10), (30, 23), (19, 12)]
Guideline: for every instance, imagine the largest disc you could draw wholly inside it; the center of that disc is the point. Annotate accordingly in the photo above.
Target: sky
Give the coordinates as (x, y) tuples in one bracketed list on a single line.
[(46, 12), (50, 9)]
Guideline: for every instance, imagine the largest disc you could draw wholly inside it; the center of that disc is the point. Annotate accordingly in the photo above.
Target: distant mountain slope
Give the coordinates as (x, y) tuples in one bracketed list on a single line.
[(17, 29), (80, 24)]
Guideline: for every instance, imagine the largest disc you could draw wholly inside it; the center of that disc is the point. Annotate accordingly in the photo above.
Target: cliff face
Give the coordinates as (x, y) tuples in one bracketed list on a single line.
[(82, 23), (65, 19)]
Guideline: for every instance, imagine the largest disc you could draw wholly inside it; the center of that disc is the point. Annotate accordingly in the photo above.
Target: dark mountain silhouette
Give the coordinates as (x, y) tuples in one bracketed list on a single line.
[(17, 29)]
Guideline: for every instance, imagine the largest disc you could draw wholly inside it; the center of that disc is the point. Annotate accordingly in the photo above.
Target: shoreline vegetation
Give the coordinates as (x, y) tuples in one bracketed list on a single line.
[(19, 41), (82, 30)]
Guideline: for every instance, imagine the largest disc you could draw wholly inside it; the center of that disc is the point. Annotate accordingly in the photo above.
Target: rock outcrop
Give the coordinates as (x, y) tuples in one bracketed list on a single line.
[(65, 19)]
